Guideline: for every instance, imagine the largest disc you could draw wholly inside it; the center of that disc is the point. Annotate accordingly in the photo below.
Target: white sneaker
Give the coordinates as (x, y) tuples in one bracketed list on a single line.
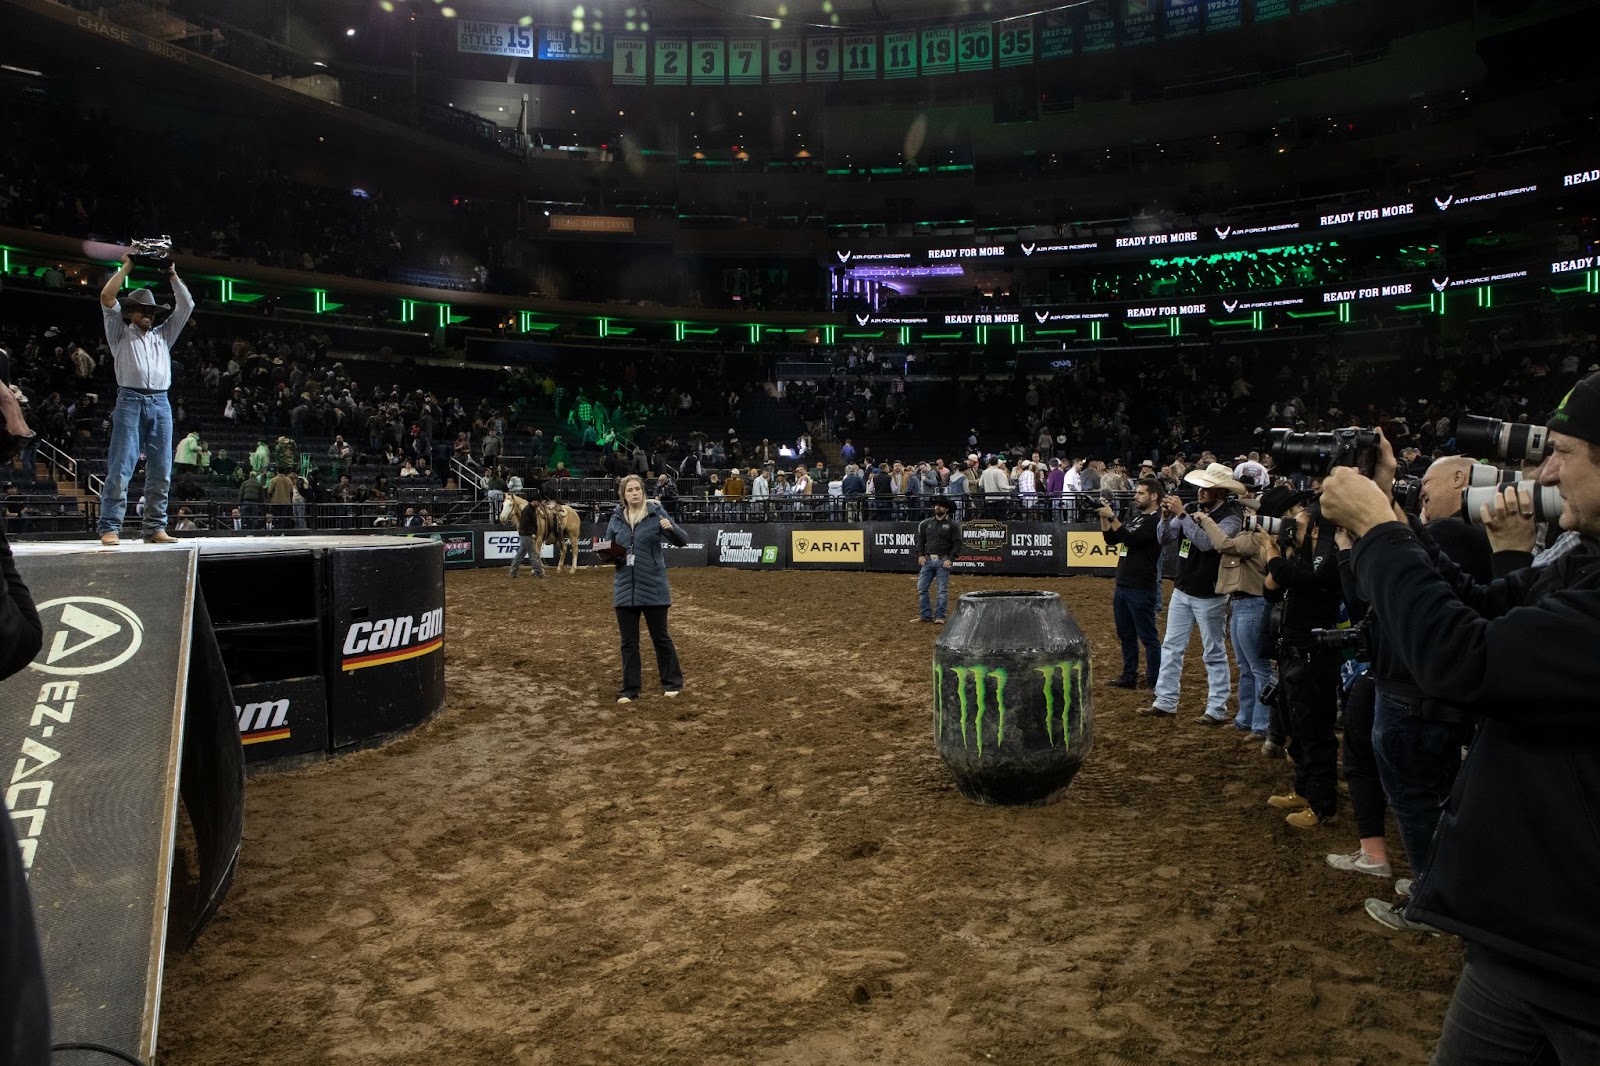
[(1402, 887), (624, 699), (1391, 916), (671, 692), (1358, 862)]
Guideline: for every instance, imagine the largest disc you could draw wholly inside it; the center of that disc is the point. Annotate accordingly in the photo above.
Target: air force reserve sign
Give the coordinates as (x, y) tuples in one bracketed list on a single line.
[(87, 635)]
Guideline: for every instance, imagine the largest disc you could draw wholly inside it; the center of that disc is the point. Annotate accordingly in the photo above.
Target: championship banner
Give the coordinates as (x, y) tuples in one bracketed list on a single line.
[(1182, 19), (494, 39), (1271, 10), (1223, 15)]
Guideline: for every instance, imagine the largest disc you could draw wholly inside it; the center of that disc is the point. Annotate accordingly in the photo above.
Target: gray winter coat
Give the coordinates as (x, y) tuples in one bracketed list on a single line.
[(644, 584)]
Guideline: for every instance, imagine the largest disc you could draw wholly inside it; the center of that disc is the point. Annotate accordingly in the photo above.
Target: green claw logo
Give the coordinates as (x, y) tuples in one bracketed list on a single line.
[(1071, 676), (980, 677), (1069, 672)]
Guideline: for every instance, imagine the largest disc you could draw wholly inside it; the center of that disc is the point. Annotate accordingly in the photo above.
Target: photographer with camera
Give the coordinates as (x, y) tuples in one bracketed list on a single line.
[(1133, 602), (1416, 738), (141, 422), (1242, 579), (1302, 567), (1195, 601), (1442, 486), (1516, 855)]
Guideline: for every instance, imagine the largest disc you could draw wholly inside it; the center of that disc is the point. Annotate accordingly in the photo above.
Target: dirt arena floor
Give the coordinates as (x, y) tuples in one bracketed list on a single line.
[(775, 868)]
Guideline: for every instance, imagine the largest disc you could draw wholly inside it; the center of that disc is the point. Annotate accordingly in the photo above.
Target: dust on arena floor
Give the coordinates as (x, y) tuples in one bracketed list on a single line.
[(775, 868)]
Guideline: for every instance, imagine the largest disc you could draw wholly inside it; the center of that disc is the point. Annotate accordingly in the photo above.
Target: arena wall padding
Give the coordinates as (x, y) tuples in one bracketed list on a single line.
[(386, 656)]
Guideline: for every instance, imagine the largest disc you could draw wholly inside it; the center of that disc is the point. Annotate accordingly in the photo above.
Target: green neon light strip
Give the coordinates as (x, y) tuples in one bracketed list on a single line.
[(1312, 314), (864, 336), (1054, 332), (1147, 325), (1231, 321), (1410, 307), (941, 336)]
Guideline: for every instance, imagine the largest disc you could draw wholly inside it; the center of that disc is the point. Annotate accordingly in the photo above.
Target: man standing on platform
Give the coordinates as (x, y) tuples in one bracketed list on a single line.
[(141, 420)]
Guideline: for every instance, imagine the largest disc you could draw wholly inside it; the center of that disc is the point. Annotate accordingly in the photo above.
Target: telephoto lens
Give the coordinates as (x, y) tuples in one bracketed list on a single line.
[(1546, 501), (1264, 523), (1482, 475), (1516, 441)]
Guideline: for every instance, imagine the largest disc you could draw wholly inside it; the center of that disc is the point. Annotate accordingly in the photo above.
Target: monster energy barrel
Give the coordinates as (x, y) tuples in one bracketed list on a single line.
[(1011, 686)]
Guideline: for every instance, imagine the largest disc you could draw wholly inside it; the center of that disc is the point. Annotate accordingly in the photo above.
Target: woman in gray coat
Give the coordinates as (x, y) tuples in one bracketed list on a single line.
[(636, 530)]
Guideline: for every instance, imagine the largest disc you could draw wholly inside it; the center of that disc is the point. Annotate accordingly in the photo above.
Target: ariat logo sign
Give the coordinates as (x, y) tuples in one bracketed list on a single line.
[(89, 635), (1090, 549), (263, 721), (392, 640), (827, 546)]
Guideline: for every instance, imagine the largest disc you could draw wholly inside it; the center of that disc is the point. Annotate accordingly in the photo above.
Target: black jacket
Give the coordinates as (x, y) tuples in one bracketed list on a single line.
[(1517, 854), (1138, 550), (25, 1008)]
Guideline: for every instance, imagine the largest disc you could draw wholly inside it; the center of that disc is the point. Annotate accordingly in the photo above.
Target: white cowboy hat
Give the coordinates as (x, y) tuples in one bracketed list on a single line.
[(1215, 476)]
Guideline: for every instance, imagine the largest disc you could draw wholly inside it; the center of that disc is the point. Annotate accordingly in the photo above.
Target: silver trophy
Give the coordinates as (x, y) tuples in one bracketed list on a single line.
[(152, 251)]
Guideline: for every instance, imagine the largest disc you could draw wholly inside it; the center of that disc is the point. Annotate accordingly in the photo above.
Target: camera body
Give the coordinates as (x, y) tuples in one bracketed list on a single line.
[(1316, 454), (1355, 640), (1408, 494), (152, 251), (1518, 442)]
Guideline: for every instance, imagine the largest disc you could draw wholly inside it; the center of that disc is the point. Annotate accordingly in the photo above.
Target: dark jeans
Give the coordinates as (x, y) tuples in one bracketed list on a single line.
[(1135, 614), (666, 655), (1418, 761), (1491, 1025), (1360, 762), (1308, 691)]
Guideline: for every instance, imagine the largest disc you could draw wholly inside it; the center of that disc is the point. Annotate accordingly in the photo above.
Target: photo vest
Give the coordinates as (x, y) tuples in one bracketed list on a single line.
[(1197, 573)]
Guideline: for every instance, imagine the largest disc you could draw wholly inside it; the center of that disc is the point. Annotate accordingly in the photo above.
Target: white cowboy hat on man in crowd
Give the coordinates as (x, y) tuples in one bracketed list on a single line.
[(1216, 476)]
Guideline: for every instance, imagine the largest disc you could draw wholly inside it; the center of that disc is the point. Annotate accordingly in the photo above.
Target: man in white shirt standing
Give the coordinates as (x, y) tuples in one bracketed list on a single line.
[(1250, 471), (141, 421)]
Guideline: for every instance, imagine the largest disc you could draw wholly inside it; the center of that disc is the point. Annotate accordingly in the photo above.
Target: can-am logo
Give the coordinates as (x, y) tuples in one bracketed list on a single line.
[(983, 535), (263, 721), (392, 640), (88, 635)]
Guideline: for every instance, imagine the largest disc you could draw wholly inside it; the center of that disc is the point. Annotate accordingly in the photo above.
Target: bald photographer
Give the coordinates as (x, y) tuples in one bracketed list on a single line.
[(1516, 857)]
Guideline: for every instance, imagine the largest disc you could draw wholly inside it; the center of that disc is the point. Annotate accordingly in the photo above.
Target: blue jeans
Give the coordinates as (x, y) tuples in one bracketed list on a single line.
[(1184, 613), (1417, 762), (1135, 613), (1255, 670), (933, 570), (139, 422), (1488, 1025)]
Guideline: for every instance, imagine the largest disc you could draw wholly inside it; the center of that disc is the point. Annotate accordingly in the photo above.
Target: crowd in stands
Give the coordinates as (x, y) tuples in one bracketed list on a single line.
[(372, 433)]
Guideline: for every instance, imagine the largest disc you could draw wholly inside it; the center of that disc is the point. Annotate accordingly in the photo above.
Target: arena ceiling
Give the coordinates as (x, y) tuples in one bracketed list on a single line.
[(616, 15)]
